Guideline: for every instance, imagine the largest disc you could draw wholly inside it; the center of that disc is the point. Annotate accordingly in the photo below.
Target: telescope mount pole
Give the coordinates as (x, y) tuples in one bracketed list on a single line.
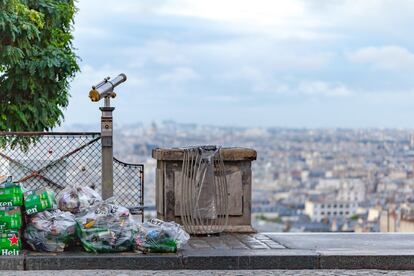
[(107, 149)]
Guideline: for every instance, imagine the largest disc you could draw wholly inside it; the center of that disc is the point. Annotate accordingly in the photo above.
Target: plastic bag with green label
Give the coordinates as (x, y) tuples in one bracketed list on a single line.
[(50, 231), (11, 194), (10, 218), (105, 227), (160, 237), (77, 198), (10, 243), (40, 200)]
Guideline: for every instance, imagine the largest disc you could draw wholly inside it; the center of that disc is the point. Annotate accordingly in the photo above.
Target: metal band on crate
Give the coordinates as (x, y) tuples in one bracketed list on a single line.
[(199, 163)]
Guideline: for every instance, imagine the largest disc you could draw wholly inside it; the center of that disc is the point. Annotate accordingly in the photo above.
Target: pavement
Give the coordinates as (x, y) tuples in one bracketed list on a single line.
[(210, 272), (262, 251)]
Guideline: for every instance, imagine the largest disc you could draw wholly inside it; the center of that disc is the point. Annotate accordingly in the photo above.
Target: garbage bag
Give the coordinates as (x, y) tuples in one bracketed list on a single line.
[(11, 194), (40, 200), (50, 231), (76, 198), (160, 237), (10, 243), (10, 218), (105, 227)]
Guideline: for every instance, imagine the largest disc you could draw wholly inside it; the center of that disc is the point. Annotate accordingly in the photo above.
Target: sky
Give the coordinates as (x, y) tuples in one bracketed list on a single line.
[(256, 63)]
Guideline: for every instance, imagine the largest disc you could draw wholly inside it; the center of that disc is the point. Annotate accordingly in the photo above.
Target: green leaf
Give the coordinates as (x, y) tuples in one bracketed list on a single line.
[(37, 62)]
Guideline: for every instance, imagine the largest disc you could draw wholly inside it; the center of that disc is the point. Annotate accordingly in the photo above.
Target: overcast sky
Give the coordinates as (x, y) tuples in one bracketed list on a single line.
[(288, 63)]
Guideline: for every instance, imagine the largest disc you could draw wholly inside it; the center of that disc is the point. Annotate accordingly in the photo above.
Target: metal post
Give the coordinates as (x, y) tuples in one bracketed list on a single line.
[(107, 149), (105, 90)]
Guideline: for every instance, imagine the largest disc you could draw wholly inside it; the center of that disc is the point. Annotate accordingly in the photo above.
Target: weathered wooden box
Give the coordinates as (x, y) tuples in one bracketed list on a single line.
[(238, 171)]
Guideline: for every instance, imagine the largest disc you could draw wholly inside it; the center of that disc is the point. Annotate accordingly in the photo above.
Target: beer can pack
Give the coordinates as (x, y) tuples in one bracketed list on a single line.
[(39, 200), (10, 243), (10, 218), (11, 194)]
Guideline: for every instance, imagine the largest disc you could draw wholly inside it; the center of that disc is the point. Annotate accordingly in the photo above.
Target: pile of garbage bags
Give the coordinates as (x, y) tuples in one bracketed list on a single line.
[(79, 215)]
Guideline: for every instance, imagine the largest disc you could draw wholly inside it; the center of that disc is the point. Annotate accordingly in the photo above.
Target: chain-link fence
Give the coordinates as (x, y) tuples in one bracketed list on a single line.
[(56, 160)]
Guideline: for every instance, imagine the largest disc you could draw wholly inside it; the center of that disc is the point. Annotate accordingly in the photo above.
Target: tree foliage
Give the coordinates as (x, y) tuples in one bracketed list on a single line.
[(37, 61)]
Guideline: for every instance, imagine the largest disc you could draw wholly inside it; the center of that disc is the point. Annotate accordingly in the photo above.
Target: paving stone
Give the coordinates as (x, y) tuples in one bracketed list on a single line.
[(186, 246), (257, 246), (217, 243), (273, 245), (239, 246), (260, 237), (198, 244), (236, 245), (358, 241)]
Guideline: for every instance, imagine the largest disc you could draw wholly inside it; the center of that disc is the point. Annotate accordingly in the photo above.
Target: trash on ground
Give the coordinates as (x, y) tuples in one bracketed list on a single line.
[(105, 227), (50, 231), (77, 198), (160, 237), (40, 200)]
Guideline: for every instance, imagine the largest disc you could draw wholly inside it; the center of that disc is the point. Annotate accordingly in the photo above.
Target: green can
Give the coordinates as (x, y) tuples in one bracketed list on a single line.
[(10, 218), (10, 243), (11, 194), (39, 200)]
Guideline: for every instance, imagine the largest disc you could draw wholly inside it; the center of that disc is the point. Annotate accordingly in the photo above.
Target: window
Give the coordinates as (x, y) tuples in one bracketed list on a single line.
[(334, 206), (322, 213), (329, 213), (340, 205), (341, 213), (329, 206), (334, 213), (322, 205), (346, 213)]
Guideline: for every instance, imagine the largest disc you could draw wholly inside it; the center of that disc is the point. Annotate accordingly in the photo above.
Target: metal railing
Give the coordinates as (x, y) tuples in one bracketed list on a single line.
[(58, 159)]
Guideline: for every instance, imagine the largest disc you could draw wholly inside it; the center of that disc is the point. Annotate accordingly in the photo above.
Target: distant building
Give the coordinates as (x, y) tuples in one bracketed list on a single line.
[(346, 190), (330, 209), (398, 219), (388, 221)]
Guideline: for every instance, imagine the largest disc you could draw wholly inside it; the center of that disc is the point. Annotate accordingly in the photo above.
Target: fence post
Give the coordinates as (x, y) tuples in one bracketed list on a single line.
[(107, 150)]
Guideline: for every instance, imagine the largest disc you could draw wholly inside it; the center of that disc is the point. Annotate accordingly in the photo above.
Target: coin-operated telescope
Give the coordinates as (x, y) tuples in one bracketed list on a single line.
[(106, 87), (105, 90)]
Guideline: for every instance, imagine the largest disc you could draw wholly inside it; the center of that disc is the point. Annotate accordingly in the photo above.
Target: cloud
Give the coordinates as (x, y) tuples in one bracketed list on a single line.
[(267, 12), (393, 58), (324, 89), (179, 75), (273, 55)]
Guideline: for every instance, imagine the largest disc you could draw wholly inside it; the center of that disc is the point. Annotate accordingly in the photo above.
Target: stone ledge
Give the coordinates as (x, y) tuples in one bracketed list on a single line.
[(229, 154), (283, 251), (119, 261), (212, 260), (12, 262)]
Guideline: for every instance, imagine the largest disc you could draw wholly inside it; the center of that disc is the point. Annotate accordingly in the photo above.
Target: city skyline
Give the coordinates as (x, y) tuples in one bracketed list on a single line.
[(267, 63)]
